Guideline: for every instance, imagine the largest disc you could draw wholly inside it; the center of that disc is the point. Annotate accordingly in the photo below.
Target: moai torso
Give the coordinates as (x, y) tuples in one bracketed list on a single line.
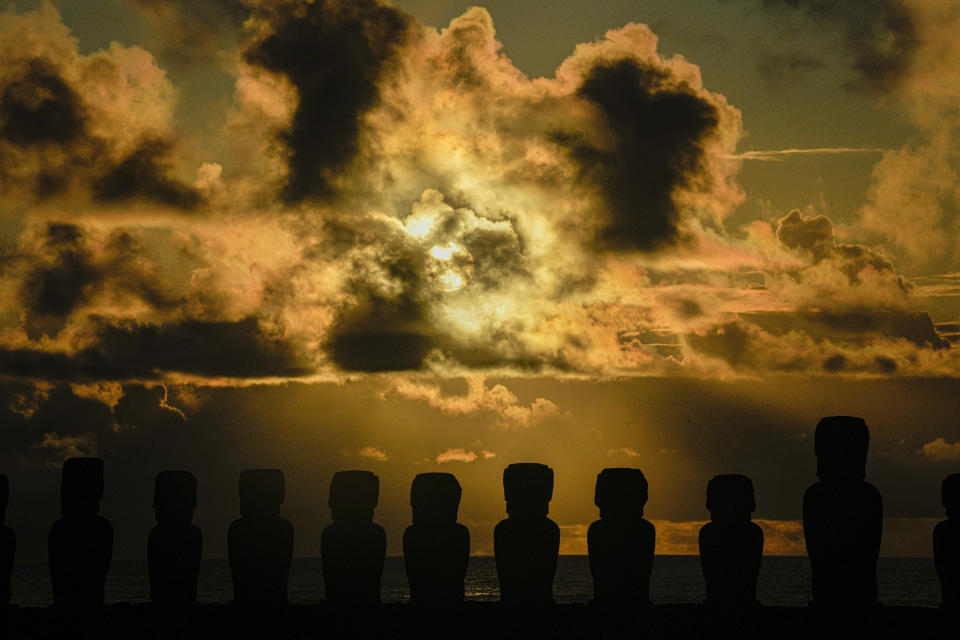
[(175, 545), (527, 543), (353, 547), (80, 544), (436, 549), (621, 543), (260, 543), (731, 546)]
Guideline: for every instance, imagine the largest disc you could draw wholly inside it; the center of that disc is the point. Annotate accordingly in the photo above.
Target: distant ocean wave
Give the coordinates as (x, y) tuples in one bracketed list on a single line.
[(784, 581)]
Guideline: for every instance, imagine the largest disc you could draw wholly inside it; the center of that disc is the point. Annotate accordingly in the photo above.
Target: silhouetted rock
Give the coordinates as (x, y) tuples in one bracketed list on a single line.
[(81, 542), (436, 549), (353, 547), (621, 542), (731, 546), (526, 544), (8, 543), (175, 544), (842, 517), (946, 544), (260, 542)]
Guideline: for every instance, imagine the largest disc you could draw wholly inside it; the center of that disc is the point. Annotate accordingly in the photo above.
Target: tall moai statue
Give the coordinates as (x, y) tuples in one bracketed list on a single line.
[(436, 549), (842, 517), (731, 545), (175, 545), (620, 544), (260, 542), (8, 544), (353, 547), (80, 544), (527, 543), (946, 544)]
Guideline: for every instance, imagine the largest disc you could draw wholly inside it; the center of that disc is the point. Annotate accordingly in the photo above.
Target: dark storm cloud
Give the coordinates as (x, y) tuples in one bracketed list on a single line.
[(796, 340), (37, 107), (145, 173), (880, 34), (335, 54), (659, 127), (385, 327), (51, 291), (42, 116), (814, 236), (861, 326), (238, 349), (67, 273)]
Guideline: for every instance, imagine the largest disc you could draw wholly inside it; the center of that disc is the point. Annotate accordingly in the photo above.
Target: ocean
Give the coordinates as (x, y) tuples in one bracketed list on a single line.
[(784, 581)]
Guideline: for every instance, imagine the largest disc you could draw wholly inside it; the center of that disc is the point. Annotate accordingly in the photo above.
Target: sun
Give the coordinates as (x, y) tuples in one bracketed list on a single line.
[(449, 267)]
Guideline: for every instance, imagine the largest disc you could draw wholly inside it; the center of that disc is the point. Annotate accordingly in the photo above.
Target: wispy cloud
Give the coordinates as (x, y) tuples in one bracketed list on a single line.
[(779, 155), (942, 450), (374, 453)]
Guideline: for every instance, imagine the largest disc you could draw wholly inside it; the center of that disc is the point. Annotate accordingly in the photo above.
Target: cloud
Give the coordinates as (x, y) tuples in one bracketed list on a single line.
[(626, 451), (132, 350), (590, 205), (941, 450), (307, 44), (497, 399), (83, 126), (881, 36), (374, 453), (456, 455)]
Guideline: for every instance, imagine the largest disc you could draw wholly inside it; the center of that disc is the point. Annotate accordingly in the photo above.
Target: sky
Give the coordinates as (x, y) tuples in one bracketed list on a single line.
[(430, 236)]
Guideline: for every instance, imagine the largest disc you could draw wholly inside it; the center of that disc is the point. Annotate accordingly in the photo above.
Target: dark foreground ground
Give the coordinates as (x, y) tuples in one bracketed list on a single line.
[(474, 620)]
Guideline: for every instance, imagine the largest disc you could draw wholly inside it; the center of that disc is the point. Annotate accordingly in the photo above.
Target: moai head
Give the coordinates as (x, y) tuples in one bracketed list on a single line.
[(353, 495), (4, 497), (950, 495), (81, 486), (620, 492), (261, 492), (528, 488), (435, 498), (730, 497), (174, 496), (840, 443)]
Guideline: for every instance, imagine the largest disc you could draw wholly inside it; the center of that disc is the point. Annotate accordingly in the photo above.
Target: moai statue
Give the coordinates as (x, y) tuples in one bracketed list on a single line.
[(260, 542), (946, 544), (80, 544), (731, 545), (436, 549), (353, 547), (843, 517), (8, 544), (621, 542), (175, 544), (526, 544)]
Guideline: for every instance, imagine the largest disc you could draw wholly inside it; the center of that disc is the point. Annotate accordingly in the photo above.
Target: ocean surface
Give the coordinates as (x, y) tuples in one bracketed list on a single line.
[(784, 581)]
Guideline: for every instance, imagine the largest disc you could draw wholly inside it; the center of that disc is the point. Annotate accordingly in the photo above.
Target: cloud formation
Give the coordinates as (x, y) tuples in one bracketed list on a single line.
[(374, 162)]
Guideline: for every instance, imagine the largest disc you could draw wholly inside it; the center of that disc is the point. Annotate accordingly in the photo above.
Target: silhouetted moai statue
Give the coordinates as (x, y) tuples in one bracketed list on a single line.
[(436, 549), (731, 546), (621, 542), (946, 544), (353, 547), (526, 544), (80, 545), (843, 517), (8, 544), (175, 544), (260, 542)]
